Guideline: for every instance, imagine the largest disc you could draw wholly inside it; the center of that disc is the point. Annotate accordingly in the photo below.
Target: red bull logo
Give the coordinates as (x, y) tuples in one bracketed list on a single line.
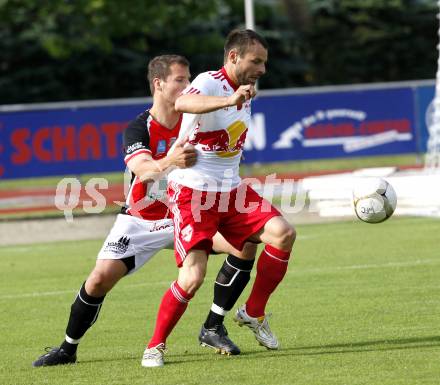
[(227, 143)]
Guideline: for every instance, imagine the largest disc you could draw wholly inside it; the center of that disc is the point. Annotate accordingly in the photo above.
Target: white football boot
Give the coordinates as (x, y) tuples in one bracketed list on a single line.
[(153, 357), (259, 326)]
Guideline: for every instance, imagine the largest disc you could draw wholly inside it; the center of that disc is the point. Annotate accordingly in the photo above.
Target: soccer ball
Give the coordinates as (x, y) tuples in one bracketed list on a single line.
[(374, 200)]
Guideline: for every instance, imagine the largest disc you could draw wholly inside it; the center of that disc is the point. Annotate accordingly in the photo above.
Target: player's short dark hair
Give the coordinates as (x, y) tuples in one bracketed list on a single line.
[(241, 39), (159, 67)]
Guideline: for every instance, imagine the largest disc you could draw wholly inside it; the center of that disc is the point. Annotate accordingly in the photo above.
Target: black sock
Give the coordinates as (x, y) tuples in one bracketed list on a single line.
[(83, 314), (229, 284)]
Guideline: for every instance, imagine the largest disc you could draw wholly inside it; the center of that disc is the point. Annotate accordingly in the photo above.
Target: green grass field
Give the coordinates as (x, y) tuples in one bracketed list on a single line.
[(359, 305)]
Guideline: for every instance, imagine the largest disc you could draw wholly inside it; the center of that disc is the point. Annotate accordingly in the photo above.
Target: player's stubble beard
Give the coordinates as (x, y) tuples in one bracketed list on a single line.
[(240, 76), (243, 78)]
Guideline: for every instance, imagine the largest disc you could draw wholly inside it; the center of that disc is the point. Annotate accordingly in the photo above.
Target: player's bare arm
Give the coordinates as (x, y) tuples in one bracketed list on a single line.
[(200, 104), (147, 169)]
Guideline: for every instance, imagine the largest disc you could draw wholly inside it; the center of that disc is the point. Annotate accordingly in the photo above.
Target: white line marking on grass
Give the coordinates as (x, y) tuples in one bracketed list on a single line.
[(304, 237), (37, 294), (62, 292), (417, 262), (22, 249), (391, 264)]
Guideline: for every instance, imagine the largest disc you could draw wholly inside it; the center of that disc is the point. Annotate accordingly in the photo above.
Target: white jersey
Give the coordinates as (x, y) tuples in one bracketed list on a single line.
[(218, 137)]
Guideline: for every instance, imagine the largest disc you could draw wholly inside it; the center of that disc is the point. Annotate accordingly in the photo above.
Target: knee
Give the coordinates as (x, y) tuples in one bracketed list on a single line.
[(191, 280), (290, 235), (192, 271), (98, 283), (194, 283), (286, 236)]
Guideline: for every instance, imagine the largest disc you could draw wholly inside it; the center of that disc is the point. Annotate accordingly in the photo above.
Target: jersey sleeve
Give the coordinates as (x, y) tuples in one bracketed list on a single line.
[(203, 84), (136, 139)]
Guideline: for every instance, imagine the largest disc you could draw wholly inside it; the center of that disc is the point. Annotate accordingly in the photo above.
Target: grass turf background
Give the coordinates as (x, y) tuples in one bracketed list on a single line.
[(359, 305)]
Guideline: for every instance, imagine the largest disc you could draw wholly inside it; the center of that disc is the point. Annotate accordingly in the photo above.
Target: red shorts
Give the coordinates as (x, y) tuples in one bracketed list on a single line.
[(198, 215)]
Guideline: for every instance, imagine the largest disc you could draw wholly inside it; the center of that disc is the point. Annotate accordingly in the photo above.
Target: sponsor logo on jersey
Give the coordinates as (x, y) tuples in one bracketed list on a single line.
[(226, 143), (119, 247), (133, 147), (157, 227), (161, 146)]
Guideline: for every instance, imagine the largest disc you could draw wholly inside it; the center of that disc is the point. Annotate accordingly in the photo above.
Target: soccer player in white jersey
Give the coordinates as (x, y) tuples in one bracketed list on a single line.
[(144, 226), (209, 196)]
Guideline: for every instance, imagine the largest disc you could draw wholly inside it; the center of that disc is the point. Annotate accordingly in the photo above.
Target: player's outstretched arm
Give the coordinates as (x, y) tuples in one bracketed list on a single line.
[(201, 104), (147, 169)]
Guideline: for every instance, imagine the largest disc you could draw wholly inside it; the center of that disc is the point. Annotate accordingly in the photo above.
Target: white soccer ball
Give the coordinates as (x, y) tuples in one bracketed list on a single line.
[(374, 200)]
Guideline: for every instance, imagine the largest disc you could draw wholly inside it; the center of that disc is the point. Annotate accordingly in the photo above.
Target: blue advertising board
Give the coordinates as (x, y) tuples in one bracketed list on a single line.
[(424, 97), (332, 125), (285, 127), (68, 141)]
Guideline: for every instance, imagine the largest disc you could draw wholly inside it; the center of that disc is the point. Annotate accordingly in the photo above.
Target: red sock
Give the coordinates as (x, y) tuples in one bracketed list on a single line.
[(173, 305), (271, 268)]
